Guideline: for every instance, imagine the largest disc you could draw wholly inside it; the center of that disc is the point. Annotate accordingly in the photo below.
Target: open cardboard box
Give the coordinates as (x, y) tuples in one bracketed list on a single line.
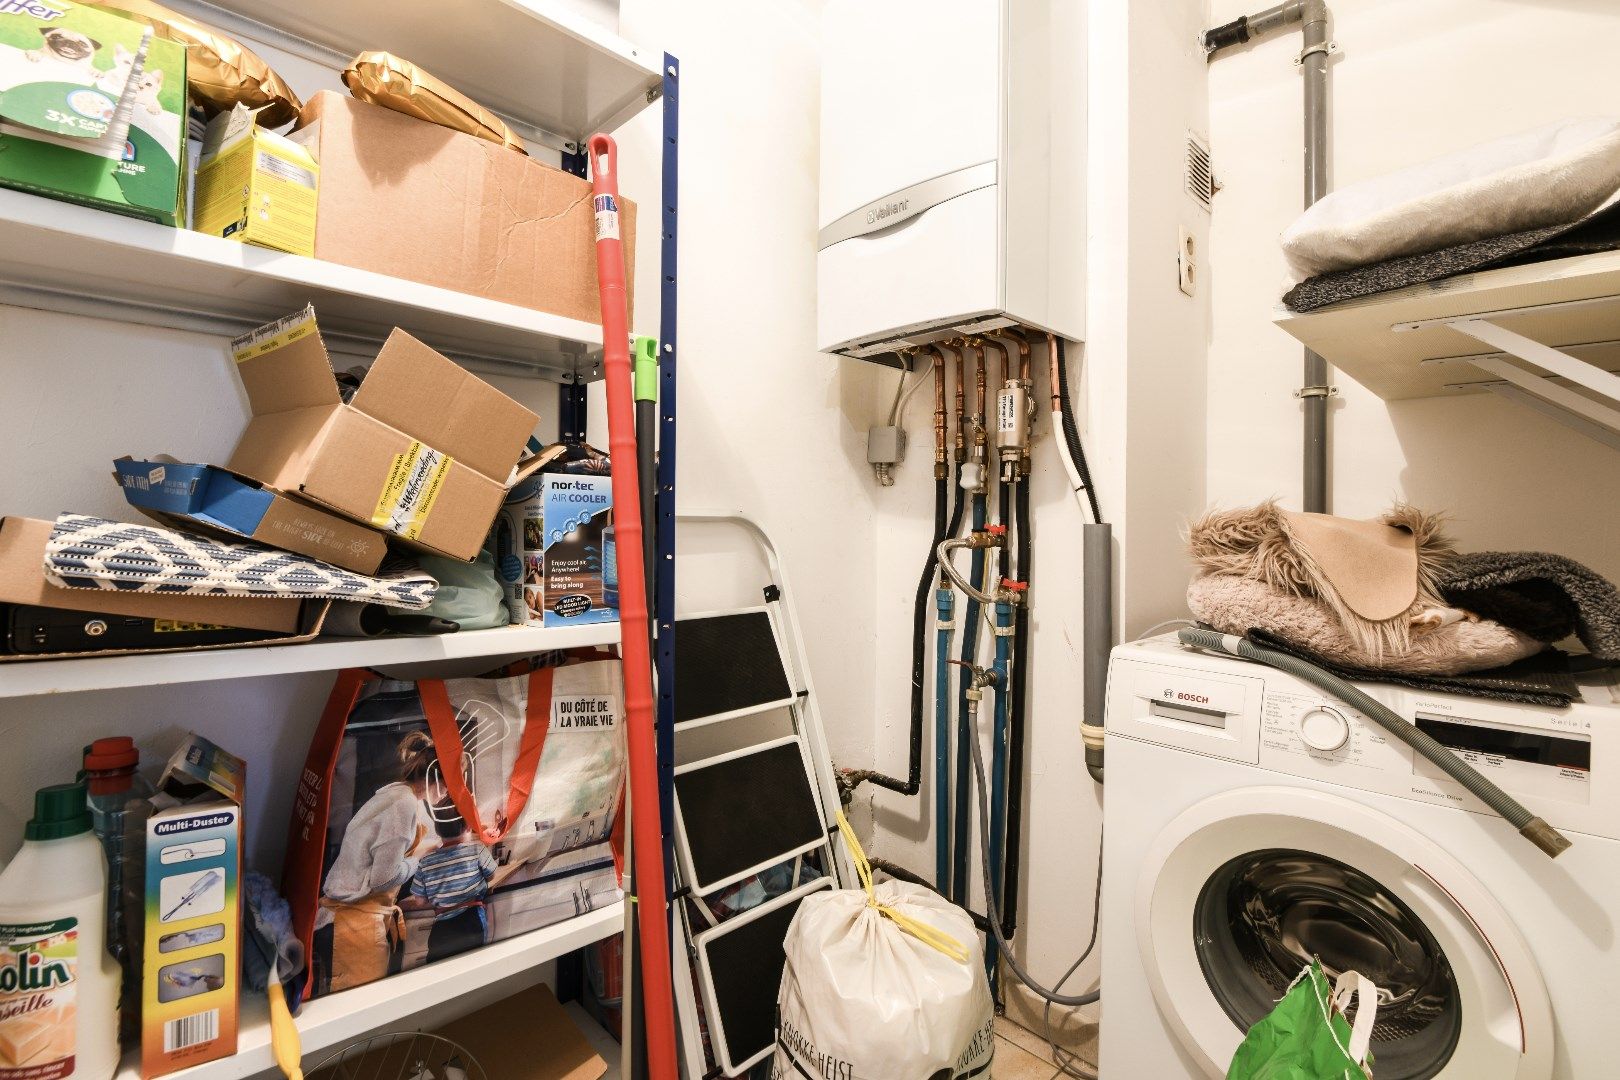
[(22, 581), (425, 451)]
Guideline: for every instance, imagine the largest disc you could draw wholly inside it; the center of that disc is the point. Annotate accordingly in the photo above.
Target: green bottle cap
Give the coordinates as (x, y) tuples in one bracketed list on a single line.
[(60, 810)]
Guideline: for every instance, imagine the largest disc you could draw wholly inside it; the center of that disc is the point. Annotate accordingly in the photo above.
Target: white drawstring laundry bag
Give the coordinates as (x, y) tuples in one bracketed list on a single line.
[(885, 982)]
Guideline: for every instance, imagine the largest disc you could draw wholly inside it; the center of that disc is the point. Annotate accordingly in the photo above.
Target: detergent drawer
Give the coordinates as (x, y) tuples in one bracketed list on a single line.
[(1218, 715)]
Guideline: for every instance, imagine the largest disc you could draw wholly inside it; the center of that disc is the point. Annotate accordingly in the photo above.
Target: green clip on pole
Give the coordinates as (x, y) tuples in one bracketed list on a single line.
[(644, 361)]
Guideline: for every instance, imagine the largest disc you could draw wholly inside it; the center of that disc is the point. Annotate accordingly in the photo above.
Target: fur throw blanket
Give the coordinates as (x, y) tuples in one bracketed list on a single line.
[(1259, 544), (1236, 605)]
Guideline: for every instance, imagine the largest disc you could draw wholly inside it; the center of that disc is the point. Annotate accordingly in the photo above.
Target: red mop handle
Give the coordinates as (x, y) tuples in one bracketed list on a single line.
[(648, 843)]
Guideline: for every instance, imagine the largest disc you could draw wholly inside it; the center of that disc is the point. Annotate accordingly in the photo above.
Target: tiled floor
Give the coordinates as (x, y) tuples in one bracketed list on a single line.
[(1021, 1054)]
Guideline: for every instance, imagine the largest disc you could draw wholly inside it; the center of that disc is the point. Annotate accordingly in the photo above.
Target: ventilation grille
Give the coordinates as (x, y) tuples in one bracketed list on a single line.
[(1200, 180)]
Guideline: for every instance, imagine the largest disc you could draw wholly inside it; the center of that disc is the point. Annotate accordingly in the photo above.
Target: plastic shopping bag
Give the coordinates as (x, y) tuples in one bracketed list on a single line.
[(1307, 1037), (879, 985), (435, 816)]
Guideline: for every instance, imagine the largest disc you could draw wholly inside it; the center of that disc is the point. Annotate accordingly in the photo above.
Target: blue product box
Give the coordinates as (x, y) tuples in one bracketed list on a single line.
[(210, 499)]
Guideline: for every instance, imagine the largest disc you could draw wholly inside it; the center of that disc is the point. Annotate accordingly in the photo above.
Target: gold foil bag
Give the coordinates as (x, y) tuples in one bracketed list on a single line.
[(220, 71), (384, 79)]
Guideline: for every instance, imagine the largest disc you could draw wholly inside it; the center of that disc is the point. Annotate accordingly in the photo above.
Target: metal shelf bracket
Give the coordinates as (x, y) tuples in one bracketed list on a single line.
[(1544, 393)]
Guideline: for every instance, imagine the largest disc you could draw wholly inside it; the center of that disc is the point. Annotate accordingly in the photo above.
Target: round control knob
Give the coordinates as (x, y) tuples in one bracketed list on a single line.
[(1324, 729)]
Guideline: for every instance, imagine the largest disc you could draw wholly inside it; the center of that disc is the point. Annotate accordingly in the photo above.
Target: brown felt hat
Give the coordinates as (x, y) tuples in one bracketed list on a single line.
[(1373, 566)]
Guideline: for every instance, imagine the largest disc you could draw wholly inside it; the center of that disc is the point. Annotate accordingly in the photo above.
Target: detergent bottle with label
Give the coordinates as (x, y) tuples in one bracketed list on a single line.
[(58, 985)]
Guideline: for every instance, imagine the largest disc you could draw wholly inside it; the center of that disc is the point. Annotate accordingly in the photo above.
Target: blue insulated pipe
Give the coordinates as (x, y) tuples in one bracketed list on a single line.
[(970, 649), (945, 600)]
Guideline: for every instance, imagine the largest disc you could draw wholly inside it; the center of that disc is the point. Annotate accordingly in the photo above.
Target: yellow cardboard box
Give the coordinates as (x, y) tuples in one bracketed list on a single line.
[(256, 186)]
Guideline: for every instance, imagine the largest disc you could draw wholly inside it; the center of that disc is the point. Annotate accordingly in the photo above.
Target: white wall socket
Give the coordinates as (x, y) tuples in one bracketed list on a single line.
[(1187, 261)]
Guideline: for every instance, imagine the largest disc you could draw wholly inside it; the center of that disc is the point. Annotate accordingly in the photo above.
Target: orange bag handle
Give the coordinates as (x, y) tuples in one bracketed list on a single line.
[(441, 720)]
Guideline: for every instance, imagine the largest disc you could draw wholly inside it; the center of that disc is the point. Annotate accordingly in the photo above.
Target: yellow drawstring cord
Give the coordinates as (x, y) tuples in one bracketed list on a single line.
[(928, 935)]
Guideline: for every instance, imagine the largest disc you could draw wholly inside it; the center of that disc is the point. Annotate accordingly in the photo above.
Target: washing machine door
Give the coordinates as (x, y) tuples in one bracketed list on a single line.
[(1240, 890)]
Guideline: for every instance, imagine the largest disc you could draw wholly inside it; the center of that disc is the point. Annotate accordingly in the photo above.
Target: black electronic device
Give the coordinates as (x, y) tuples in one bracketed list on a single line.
[(31, 630)]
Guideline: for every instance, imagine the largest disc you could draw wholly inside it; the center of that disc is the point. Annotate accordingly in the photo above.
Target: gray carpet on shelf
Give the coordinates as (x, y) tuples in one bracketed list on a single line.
[(1598, 231)]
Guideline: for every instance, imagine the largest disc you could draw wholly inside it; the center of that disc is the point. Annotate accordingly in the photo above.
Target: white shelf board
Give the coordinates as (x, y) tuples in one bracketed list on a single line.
[(534, 61), (332, 1021), (27, 678), (62, 257), (1358, 336)]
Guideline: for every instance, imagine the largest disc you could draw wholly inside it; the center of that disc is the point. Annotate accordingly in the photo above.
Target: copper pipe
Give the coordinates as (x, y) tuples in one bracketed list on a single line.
[(940, 469), (1052, 353), (961, 404)]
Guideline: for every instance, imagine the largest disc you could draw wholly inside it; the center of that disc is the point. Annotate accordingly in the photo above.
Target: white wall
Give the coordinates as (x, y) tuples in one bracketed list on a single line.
[(1140, 401), (1411, 81)]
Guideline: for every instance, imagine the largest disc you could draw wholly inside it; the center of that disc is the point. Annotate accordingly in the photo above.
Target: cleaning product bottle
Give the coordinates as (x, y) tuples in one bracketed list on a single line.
[(58, 985), (119, 808)]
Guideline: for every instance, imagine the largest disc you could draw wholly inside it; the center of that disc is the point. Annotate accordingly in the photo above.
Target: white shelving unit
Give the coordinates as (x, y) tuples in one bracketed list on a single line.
[(393, 1002), (27, 678), (1546, 336), (555, 75)]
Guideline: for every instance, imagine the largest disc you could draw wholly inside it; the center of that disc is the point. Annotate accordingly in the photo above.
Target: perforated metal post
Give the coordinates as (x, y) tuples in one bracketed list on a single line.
[(664, 599)]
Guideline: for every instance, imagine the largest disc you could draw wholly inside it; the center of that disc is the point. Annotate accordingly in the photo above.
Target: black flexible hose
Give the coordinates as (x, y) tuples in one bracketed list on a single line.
[(1071, 434), (1018, 702), (919, 659)]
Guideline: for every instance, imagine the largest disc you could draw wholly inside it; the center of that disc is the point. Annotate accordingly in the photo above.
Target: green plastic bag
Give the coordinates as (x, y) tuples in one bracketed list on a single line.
[(1306, 1037)]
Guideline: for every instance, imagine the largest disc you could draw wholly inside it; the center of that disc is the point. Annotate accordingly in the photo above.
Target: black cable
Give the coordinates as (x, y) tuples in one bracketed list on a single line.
[(919, 659), (1017, 705), (1071, 434)]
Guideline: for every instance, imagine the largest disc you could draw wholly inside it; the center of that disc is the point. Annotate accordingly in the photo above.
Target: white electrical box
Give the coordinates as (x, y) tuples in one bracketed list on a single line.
[(953, 171)]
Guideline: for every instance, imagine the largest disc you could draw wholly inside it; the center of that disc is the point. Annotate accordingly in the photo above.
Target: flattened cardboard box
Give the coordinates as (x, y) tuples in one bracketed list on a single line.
[(22, 581), (208, 499), (404, 197), (424, 451)]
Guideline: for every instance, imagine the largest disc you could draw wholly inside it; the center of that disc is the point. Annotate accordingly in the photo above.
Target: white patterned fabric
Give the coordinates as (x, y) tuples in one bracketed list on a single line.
[(94, 553)]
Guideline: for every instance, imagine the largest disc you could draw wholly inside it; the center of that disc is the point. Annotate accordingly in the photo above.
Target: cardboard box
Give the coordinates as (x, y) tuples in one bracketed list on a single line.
[(208, 499), (256, 186), (405, 197), (22, 581), (424, 451), (92, 109), (527, 1036), (562, 523), (191, 961)]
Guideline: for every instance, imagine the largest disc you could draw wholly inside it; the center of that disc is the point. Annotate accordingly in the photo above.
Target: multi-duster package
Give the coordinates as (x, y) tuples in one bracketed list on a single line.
[(92, 108), (560, 530), (191, 960)]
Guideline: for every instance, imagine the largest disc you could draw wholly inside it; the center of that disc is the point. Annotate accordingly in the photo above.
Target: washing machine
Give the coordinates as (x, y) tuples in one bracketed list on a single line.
[(1252, 822)]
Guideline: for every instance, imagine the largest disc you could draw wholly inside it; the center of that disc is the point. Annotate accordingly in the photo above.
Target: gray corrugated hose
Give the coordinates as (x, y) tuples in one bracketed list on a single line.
[(1531, 827)]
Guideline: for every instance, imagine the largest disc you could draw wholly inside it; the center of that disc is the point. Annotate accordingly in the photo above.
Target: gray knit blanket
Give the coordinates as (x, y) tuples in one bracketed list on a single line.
[(1545, 596)]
